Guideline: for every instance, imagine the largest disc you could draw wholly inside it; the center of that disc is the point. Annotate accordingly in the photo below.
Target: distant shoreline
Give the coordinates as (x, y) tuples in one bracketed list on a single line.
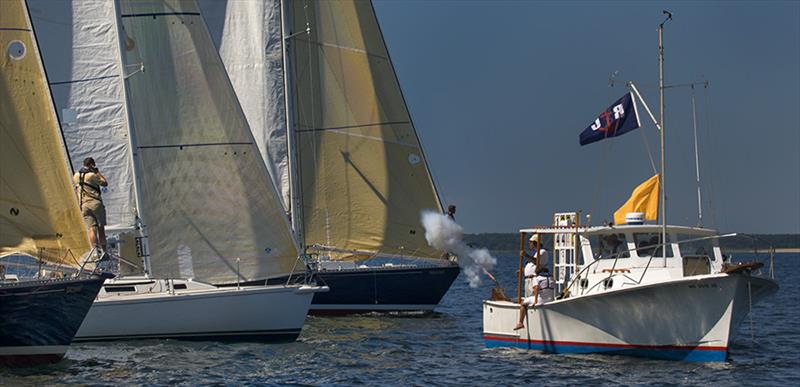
[(782, 250)]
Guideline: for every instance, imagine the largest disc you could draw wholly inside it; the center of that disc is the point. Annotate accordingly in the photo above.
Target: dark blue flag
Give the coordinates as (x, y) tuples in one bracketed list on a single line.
[(620, 118)]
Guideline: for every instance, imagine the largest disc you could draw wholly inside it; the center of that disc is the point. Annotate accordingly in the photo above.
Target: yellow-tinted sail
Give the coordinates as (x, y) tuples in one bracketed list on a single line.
[(39, 213), (363, 176), (211, 211), (643, 199)]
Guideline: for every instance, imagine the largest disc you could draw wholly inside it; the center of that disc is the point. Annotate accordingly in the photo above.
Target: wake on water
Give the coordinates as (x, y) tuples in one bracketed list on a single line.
[(442, 233)]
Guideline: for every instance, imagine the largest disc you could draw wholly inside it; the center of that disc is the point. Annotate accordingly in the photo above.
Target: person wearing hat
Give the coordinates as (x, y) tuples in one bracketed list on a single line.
[(88, 181), (534, 244)]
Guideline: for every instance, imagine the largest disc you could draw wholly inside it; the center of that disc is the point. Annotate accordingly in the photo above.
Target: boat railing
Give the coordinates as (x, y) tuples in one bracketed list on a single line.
[(622, 254)]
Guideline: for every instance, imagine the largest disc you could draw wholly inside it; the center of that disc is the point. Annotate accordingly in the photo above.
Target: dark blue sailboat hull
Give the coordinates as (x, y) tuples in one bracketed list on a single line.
[(367, 289), (382, 289), (38, 319)]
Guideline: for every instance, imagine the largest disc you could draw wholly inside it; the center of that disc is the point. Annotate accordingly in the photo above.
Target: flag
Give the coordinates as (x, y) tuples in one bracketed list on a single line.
[(643, 199), (620, 118)]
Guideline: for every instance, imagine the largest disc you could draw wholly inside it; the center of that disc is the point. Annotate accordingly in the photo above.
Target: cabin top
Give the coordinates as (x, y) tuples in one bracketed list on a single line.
[(644, 228)]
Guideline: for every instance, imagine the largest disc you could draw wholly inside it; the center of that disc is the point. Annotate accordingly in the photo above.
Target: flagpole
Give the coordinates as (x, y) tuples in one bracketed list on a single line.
[(662, 183)]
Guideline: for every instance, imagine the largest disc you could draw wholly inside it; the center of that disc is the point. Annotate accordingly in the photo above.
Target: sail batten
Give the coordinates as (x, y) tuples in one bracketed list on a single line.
[(210, 209), (363, 178), (39, 213)]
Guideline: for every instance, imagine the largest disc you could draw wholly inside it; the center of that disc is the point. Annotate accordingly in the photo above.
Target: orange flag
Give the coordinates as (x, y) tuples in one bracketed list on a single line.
[(643, 199)]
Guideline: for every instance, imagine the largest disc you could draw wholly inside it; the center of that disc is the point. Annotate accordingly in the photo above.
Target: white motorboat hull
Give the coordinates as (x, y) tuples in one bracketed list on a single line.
[(265, 313), (692, 319)]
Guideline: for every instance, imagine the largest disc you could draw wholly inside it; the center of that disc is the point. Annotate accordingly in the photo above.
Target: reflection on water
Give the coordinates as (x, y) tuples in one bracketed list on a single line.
[(442, 348)]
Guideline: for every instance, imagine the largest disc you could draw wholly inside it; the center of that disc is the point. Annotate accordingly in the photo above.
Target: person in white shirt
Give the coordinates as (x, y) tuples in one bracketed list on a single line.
[(534, 244), (543, 292)]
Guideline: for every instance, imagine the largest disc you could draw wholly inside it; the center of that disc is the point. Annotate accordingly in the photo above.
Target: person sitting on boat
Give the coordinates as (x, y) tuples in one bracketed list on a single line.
[(534, 244), (543, 292), (88, 181)]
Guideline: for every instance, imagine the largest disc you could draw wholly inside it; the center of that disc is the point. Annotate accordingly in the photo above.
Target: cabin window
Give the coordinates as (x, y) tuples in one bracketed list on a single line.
[(648, 244), (695, 248), (609, 246)]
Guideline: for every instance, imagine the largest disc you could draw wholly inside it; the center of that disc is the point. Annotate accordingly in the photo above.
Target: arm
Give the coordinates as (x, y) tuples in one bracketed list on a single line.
[(101, 179)]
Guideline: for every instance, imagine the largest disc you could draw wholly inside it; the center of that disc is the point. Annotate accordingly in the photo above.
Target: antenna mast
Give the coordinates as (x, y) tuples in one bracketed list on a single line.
[(662, 183)]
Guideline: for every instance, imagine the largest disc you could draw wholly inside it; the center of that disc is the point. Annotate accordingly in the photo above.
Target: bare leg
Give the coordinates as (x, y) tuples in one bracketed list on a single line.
[(93, 235), (102, 235), (523, 310)]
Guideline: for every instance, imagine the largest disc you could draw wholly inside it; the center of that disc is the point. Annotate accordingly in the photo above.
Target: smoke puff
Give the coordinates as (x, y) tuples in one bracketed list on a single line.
[(442, 233)]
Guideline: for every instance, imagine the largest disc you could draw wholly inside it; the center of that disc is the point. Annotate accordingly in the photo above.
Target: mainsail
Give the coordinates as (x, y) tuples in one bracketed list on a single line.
[(363, 177), (39, 213), (80, 50), (247, 34), (209, 207)]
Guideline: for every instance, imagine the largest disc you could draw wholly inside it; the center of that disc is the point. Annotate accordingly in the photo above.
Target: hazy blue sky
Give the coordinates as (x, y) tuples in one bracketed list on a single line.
[(499, 92)]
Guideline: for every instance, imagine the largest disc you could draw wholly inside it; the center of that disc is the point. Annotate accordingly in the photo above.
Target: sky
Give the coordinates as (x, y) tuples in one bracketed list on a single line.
[(500, 90)]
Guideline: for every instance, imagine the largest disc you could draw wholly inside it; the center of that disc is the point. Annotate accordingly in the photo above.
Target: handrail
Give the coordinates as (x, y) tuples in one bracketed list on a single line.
[(618, 255)]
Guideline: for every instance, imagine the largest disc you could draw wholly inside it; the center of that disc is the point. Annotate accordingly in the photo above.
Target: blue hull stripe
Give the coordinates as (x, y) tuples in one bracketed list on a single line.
[(688, 353)]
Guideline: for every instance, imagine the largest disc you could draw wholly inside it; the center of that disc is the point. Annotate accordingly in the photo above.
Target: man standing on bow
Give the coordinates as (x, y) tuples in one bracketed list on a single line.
[(88, 181)]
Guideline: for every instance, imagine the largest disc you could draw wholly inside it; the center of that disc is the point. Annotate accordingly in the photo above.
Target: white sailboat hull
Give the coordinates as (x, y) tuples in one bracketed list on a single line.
[(692, 318), (267, 313)]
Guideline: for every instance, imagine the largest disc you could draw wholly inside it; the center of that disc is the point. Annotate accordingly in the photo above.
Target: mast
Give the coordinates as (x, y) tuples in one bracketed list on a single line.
[(295, 203), (661, 120), (139, 223)]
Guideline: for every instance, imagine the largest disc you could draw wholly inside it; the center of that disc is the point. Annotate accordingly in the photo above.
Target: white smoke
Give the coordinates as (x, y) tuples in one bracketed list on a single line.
[(442, 233)]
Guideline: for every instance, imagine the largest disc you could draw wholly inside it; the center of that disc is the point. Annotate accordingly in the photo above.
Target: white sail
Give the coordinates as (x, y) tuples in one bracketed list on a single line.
[(206, 198), (247, 34), (79, 46), (363, 176)]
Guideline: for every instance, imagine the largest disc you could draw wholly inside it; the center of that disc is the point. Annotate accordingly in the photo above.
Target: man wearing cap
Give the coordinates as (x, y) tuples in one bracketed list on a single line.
[(88, 181), (534, 245)]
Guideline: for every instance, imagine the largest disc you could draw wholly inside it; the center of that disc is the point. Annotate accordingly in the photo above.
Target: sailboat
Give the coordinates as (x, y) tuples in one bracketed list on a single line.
[(325, 106), (203, 209), (631, 288), (40, 222)]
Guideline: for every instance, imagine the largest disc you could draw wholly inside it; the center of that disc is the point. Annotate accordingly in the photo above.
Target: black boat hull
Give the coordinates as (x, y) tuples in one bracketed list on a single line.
[(377, 289), (38, 319)]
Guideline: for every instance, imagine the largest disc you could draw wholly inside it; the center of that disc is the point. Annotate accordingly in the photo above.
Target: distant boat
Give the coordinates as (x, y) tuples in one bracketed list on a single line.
[(40, 221), (326, 109), (651, 290), (203, 208)]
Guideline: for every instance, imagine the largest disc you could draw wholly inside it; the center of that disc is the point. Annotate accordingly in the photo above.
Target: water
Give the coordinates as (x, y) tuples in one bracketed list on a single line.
[(445, 348)]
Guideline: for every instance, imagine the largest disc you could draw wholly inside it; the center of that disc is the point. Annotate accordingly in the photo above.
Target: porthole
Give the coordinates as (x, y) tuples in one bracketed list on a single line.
[(16, 50), (413, 158)]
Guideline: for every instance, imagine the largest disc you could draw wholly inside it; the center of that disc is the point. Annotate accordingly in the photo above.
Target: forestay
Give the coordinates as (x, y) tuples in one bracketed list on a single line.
[(363, 175), (39, 212), (80, 50), (247, 34), (205, 193)]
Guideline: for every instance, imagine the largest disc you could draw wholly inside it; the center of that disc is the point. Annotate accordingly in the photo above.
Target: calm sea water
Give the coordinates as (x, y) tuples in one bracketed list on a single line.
[(439, 349)]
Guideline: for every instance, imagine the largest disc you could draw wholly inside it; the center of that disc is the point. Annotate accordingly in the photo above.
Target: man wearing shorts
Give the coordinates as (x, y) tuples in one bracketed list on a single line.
[(88, 181)]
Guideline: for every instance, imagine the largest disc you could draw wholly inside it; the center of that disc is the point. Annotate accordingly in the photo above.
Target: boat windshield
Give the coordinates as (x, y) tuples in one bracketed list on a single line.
[(647, 244), (695, 248), (610, 246)]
